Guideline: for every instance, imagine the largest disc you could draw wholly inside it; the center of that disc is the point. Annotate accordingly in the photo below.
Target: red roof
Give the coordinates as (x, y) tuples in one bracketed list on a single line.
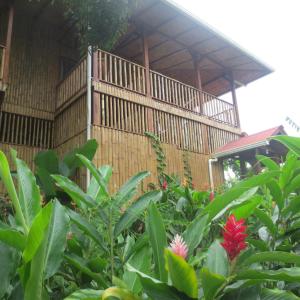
[(250, 140)]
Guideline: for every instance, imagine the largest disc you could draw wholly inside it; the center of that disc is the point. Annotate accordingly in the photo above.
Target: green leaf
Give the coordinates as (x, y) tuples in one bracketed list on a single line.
[(193, 234), (284, 274), (8, 267), (156, 289), (134, 211), (5, 175), (288, 169), (221, 201), (56, 239), (130, 186), (13, 238), (293, 207), (96, 174), (73, 162), (292, 186), (29, 192), (87, 294), (74, 191), (276, 193), (140, 260), (292, 143), (217, 259), (87, 228), (37, 232), (273, 256), (80, 264), (183, 276), (94, 189), (158, 240), (118, 293), (275, 294), (246, 209), (268, 162), (211, 283), (259, 244), (266, 220)]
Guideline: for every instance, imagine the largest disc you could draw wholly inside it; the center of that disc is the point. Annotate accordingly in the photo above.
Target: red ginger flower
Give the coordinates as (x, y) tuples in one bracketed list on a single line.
[(234, 237), (164, 185), (211, 196), (179, 247)]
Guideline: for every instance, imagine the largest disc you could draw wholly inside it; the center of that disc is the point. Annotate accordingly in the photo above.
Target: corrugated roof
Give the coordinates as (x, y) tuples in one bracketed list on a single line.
[(177, 39), (249, 142)]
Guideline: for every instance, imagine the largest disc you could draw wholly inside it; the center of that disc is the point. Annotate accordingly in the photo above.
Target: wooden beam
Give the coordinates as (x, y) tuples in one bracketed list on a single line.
[(146, 64), (11, 13), (234, 100)]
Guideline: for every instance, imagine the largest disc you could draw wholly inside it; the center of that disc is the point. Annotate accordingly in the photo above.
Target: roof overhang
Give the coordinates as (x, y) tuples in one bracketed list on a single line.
[(177, 39)]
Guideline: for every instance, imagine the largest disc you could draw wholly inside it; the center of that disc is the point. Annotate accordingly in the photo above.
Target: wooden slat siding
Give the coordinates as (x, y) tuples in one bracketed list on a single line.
[(72, 84), (133, 153), (13, 131), (120, 72), (70, 122)]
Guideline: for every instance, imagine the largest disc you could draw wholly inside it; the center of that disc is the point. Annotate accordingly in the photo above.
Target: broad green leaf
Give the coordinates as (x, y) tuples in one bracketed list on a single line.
[(5, 175), (56, 239), (292, 207), (72, 161), (8, 267), (87, 294), (94, 189), (246, 209), (182, 275), (217, 259), (80, 264), (140, 260), (37, 232), (284, 274), (221, 201), (193, 234), (29, 192), (292, 186), (266, 220), (211, 283), (87, 228), (134, 211), (276, 193), (292, 143), (158, 240), (96, 174), (139, 244), (259, 244), (287, 171), (118, 293), (273, 256), (128, 188), (268, 162), (156, 289), (46, 182), (74, 191), (13, 238), (275, 294)]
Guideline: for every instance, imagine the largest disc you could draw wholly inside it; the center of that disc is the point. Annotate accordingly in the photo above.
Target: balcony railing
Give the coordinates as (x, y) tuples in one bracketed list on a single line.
[(2, 57)]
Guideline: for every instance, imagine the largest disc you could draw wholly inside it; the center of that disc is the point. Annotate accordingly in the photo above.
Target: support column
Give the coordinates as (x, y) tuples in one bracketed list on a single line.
[(11, 13), (198, 83), (148, 81), (243, 168), (234, 101)]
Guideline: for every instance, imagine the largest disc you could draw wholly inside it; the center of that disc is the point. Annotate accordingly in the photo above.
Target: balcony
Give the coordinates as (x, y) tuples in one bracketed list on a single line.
[(119, 72)]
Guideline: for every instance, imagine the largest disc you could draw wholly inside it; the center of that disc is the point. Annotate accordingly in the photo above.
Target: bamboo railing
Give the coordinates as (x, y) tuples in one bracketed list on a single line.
[(2, 57), (72, 84)]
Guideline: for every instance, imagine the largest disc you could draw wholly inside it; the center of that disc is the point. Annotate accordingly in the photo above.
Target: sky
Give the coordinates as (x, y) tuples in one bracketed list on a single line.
[(270, 30)]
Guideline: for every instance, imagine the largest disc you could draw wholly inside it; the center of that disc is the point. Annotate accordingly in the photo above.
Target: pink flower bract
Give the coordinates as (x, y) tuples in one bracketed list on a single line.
[(234, 237), (179, 247), (164, 185)]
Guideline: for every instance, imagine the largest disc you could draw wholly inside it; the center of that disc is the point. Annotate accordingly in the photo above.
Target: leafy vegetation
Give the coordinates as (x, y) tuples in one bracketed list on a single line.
[(168, 243)]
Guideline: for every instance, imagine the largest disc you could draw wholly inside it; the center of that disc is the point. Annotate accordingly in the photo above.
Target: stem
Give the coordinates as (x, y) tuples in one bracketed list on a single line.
[(111, 243)]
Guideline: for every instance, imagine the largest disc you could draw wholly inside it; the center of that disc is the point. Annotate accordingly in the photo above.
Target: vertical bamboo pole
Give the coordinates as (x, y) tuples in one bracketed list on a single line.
[(234, 101)]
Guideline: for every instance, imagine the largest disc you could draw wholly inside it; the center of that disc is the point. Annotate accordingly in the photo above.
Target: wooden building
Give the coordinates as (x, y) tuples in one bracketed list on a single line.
[(165, 75)]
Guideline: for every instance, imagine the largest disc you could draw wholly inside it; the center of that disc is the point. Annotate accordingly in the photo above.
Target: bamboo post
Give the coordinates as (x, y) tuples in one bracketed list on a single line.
[(11, 13), (234, 101), (198, 84)]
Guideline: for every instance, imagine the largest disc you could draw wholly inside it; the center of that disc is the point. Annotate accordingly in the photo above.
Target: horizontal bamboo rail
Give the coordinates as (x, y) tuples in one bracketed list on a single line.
[(115, 70), (72, 84), (2, 58)]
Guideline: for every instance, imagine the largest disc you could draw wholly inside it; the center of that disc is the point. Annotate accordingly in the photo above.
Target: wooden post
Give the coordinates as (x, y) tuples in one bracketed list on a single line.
[(234, 101), (146, 65), (243, 168), (11, 13), (198, 83)]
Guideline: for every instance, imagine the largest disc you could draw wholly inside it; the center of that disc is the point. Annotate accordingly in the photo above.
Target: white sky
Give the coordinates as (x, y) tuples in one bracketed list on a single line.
[(270, 30)]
